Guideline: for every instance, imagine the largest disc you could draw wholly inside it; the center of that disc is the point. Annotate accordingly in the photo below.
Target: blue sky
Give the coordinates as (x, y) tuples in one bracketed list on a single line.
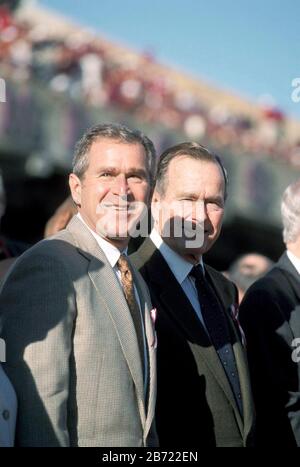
[(251, 48)]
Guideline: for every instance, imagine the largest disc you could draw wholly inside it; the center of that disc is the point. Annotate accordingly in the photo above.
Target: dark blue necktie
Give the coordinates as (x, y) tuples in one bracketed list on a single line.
[(217, 328)]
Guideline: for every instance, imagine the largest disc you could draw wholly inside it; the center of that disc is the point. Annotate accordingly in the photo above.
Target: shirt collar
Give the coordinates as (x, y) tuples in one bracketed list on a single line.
[(111, 252), (180, 267), (294, 260)]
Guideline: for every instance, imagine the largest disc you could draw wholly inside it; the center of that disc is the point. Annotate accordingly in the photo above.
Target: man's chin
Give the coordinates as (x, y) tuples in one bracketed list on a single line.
[(113, 232), (196, 246), (118, 236)]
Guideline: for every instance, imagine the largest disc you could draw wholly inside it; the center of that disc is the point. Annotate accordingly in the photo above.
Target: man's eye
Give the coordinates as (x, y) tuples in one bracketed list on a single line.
[(135, 177), (105, 175), (214, 205)]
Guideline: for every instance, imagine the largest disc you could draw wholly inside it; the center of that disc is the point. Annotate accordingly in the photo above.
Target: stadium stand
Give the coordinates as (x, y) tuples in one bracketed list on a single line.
[(61, 78)]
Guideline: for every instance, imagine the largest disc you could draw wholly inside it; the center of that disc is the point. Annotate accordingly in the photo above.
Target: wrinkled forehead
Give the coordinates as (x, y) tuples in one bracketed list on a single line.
[(115, 151), (186, 171), (104, 142)]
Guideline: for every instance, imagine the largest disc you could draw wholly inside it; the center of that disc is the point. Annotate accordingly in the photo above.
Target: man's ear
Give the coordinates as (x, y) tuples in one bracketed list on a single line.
[(75, 187), (151, 190), (155, 205)]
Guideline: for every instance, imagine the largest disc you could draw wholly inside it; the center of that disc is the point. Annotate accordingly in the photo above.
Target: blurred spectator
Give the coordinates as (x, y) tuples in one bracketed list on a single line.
[(247, 269), (104, 76), (61, 217), (10, 5), (91, 65), (269, 315), (9, 249)]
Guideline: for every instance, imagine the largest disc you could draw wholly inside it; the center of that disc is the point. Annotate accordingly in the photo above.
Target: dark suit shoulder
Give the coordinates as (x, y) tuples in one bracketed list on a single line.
[(136, 260), (50, 254), (269, 299), (274, 283), (144, 254)]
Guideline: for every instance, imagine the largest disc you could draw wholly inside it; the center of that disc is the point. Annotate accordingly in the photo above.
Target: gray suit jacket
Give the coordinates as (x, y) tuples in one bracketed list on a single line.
[(72, 351)]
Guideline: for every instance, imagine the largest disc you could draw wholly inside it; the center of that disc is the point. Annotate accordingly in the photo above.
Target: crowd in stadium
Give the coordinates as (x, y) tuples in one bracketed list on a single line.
[(90, 70)]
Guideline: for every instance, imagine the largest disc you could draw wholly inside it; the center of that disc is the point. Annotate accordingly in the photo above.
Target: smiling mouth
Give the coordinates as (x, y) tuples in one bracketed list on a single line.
[(117, 207)]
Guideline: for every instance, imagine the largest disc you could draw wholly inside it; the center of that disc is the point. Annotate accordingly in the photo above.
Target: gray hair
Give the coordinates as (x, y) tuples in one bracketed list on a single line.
[(190, 149), (290, 212), (114, 131)]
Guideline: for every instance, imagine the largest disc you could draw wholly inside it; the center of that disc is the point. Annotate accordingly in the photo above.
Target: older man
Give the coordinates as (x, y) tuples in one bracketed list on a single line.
[(76, 316), (204, 395), (270, 316)]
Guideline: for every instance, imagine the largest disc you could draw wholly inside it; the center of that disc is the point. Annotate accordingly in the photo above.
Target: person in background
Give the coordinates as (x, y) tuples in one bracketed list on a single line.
[(75, 314), (61, 217), (270, 317), (247, 269), (9, 249)]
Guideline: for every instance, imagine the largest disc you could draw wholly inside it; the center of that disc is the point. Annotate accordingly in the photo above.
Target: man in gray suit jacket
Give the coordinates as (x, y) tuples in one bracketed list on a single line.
[(76, 316)]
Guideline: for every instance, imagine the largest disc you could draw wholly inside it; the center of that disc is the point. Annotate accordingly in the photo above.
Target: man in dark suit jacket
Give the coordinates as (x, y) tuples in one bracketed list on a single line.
[(270, 317), (204, 397)]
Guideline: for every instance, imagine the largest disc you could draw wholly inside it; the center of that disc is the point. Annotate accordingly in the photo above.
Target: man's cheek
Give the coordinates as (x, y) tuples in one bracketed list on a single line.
[(101, 190)]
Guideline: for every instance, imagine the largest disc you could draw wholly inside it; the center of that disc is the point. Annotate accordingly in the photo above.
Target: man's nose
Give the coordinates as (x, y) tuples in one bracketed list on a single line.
[(199, 212), (120, 186)]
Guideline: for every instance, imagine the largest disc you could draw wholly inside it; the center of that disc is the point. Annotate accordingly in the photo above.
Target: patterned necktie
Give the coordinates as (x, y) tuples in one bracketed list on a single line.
[(128, 288), (217, 328)]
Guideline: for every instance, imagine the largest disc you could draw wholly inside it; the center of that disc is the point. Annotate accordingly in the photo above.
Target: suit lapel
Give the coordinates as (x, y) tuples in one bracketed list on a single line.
[(241, 362), (248, 408), (145, 302), (111, 296), (245, 384)]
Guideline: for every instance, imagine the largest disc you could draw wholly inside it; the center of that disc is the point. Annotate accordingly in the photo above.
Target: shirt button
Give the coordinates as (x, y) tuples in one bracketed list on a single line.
[(233, 374), (239, 396), (5, 414)]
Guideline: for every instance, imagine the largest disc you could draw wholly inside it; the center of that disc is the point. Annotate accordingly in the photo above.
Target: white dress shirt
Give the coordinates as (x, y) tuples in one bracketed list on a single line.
[(113, 254), (181, 269), (294, 260)]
